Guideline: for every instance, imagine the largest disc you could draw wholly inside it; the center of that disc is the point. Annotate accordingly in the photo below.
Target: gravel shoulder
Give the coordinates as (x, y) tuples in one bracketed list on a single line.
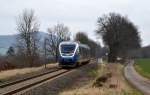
[(137, 80)]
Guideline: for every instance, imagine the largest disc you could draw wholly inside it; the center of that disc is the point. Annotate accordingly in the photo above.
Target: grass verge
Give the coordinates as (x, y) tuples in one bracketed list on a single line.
[(17, 73)]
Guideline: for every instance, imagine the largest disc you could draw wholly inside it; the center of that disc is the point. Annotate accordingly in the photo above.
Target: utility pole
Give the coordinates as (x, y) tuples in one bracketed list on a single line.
[(45, 51), (96, 51)]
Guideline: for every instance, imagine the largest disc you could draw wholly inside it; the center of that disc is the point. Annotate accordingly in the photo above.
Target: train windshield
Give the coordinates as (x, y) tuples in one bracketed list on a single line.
[(67, 48)]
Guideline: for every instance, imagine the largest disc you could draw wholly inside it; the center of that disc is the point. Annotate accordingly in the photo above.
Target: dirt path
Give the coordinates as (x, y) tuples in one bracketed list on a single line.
[(137, 80)]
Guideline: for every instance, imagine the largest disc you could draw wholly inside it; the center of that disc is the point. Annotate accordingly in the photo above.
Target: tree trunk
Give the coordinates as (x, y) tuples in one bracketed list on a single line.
[(112, 56)]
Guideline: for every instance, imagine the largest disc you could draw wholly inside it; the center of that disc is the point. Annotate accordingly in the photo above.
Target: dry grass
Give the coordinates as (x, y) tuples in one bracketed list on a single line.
[(121, 86), (15, 72)]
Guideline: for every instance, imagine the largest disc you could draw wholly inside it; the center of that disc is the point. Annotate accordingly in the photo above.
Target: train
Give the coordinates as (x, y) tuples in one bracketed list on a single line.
[(73, 54)]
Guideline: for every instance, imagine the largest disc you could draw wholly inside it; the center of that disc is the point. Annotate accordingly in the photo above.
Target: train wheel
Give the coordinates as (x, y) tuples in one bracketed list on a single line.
[(77, 64)]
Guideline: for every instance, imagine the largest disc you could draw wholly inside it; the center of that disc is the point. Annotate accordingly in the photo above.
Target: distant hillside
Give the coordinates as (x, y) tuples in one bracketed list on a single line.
[(143, 52), (8, 40), (5, 42), (146, 51)]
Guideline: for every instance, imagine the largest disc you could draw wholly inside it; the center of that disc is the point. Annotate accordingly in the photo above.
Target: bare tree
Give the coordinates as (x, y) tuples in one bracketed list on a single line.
[(28, 26), (57, 34)]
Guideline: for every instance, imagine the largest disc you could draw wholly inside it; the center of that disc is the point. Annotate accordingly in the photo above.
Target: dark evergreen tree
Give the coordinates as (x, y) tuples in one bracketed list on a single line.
[(11, 51)]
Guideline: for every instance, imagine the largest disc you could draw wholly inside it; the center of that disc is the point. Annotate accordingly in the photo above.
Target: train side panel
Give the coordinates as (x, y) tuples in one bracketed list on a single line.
[(84, 54)]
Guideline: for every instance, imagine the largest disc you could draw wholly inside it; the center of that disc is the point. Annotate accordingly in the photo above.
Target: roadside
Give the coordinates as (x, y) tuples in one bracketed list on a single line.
[(137, 80), (16, 74), (107, 79)]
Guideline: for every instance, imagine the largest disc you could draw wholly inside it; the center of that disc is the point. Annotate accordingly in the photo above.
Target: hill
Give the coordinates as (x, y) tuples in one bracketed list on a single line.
[(9, 40)]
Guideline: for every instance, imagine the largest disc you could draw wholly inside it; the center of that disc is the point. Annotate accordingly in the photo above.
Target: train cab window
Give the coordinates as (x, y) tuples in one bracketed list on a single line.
[(67, 48)]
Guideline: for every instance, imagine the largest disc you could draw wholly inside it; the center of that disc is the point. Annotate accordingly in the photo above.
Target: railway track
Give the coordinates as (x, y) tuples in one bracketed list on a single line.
[(23, 84)]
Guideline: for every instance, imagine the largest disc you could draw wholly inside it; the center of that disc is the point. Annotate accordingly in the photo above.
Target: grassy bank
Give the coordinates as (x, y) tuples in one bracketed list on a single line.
[(116, 84), (142, 66)]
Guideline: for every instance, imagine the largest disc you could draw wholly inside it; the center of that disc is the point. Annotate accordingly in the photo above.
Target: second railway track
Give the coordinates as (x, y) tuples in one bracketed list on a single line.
[(20, 85)]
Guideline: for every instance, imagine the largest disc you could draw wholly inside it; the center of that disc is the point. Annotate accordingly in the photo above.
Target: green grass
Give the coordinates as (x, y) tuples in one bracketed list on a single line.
[(142, 66)]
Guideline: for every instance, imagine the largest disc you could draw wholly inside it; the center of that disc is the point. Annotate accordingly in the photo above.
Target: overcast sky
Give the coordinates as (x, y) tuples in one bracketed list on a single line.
[(78, 15)]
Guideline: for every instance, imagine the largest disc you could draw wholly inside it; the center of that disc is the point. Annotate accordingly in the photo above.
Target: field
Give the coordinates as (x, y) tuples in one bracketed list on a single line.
[(142, 66)]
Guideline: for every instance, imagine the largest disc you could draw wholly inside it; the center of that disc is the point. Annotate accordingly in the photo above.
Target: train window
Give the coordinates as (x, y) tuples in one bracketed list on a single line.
[(67, 48), (77, 52), (80, 49)]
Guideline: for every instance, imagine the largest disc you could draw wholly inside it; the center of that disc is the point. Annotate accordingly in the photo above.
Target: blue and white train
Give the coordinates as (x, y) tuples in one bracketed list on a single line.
[(73, 54)]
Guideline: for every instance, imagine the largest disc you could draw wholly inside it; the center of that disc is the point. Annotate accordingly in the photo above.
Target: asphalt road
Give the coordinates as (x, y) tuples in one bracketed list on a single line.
[(137, 80)]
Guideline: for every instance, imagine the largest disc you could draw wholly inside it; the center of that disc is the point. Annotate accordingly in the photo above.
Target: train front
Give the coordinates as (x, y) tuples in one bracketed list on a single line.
[(68, 54)]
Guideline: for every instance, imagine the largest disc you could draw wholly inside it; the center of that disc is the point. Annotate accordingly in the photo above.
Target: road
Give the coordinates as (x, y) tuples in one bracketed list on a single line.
[(137, 80)]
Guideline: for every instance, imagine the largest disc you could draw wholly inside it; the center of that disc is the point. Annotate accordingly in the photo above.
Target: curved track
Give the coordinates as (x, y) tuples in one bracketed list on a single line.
[(137, 80), (20, 85)]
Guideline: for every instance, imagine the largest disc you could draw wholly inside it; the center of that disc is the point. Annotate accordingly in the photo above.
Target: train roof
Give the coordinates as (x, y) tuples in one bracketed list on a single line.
[(84, 45), (68, 42)]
